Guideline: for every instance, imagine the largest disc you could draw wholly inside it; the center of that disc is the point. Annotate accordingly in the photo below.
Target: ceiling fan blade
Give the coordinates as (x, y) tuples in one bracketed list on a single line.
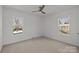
[(41, 8), (35, 11), (43, 12)]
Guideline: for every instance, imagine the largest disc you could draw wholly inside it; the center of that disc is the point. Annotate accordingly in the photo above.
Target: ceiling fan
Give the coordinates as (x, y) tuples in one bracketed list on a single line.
[(40, 9)]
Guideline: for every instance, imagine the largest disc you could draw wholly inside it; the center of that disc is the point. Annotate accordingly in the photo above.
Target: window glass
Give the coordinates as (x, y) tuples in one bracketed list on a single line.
[(63, 23)]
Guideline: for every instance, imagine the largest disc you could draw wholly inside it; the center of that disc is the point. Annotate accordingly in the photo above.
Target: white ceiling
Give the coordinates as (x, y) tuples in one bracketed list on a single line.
[(48, 8)]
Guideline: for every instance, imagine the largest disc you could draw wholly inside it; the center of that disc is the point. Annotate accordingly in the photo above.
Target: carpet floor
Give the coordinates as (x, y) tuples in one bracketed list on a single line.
[(39, 45)]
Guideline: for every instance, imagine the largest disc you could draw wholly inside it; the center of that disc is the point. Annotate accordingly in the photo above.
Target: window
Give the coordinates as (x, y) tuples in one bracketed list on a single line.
[(63, 23), (17, 26)]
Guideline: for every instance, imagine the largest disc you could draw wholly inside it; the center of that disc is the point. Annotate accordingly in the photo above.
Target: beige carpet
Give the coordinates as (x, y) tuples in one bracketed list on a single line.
[(39, 45)]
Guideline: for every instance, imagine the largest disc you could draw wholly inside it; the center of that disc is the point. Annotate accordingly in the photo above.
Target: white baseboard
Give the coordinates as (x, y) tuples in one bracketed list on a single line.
[(21, 40), (38, 37), (62, 41)]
